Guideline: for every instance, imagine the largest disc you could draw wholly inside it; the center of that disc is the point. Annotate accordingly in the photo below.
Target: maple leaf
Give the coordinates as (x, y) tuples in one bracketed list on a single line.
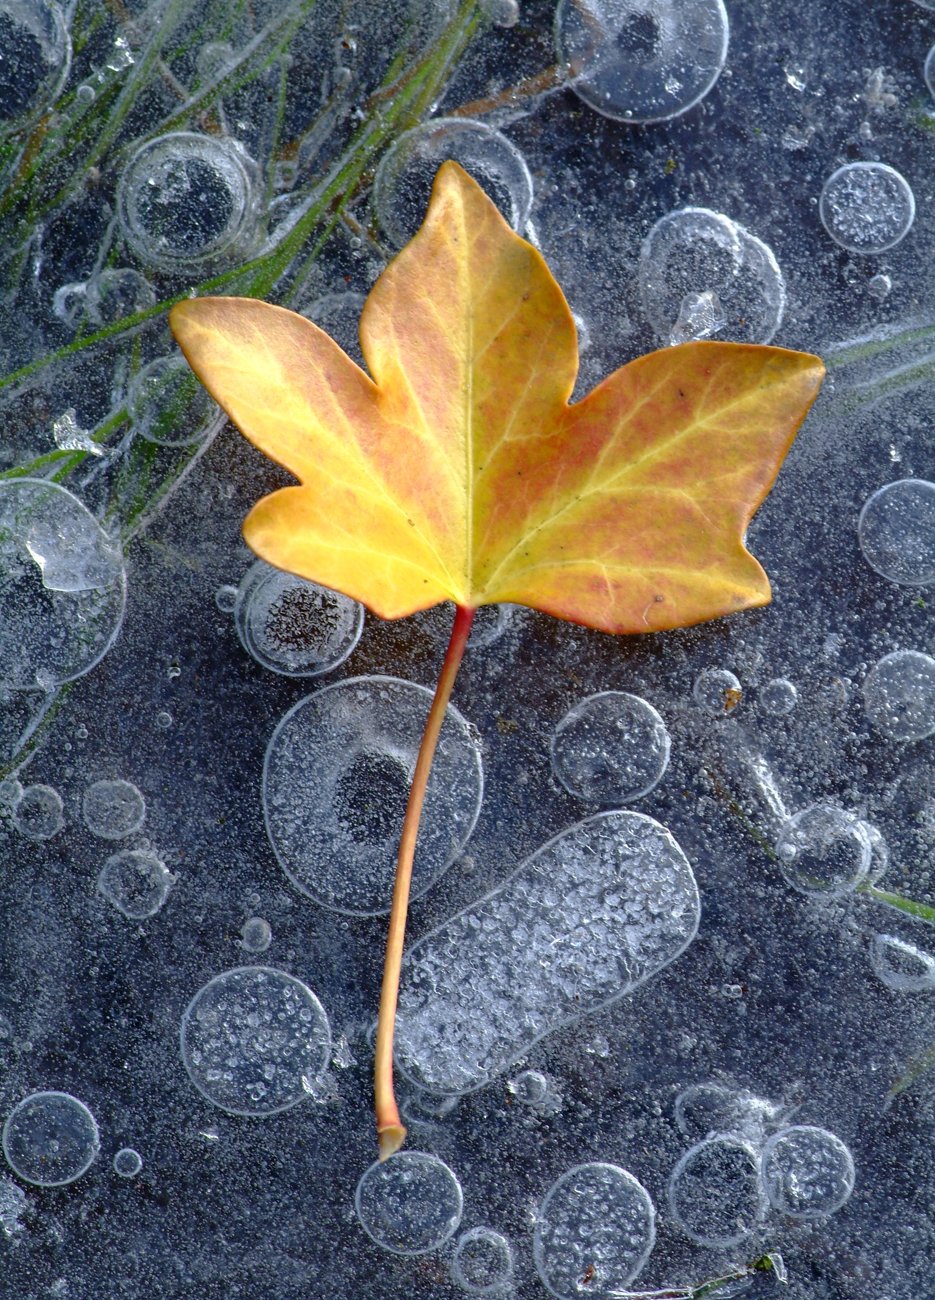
[(460, 471)]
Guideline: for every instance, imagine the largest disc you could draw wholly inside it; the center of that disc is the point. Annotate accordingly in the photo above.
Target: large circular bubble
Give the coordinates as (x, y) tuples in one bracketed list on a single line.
[(62, 586), (642, 60), (336, 782), (50, 1138), (410, 1203), (255, 1040), (113, 809), (896, 531), (899, 695), (36, 53), (824, 850), (136, 881), (867, 207), (714, 1192), (610, 748), (293, 626), (594, 1232), (404, 178), (807, 1172), (170, 407)]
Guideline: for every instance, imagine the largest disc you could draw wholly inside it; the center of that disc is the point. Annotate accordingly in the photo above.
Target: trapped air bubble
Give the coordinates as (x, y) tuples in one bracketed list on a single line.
[(866, 207), (50, 1139), (642, 60), (170, 407), (410, 1203), (38, 812), (590, 916), (136, 882), (482, 1262), (404, 178), (113, 809), (255, 1040), (902, 966), (824, 850), (293, 626), (610, 748), (128, 1163), (806, 1172), (336, 783), (714, 1192), (896, 532), (36, 58), (899, 695)]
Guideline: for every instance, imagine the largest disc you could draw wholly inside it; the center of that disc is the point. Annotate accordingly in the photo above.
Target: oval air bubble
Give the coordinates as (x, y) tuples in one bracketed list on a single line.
[(642, 60), (36, 57), (695, 256), (50, 1139), (896, 532), (113, 809), (410, 1203), (594, 1232), (902, 966), (38, 812), (483, 1262), (336, 783), (867, 207), (62, 586), (404, 178), (589, 917), (170, 407), (899, 695), (137, 882), (255, 1040), (187, 200), (824, 850), (293, 626), (714, 1192), (807, 1172), (610, 748)]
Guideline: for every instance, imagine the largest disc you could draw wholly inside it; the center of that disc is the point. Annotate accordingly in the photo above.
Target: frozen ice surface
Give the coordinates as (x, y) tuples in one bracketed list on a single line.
[(50, 1138), (867, 207), (642, 60), (610, 748), (590, 916), (896, 531), (899, 695), (336, 782), (483, 1262), (714, 1192), (807, 1172), (595, 1231), (255, 1040), (292, 626), (410, 1203)]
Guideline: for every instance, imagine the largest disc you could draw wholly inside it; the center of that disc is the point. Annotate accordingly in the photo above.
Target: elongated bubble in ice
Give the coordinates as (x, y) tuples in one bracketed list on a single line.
[(707, 1109), (404, 178), (136, 881), (595, 1230), (867, 207), (293, 626), (587, 918), (336, 782), (610, 748), (896, 531), (824, 850), (255, 1040), (899, 695), (642, 60), (36, 56), (187, 200), (714, 1192), (113, 809), (37, 813), (50, 1139), (807, 1172), (695, 254), (901, 965), (169, 407), (483, 1262), (62, 586), (409, 1204)]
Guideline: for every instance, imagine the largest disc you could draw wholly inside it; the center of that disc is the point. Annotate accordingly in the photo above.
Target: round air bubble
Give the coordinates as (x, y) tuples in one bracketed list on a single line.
[(610, 748), (37, 814), (530, 1088), (899, 695), (188, 200), (170, 407), (902, 966), (824, 850), (293, 626), (50, 1139), (717, 691), (255, 1040), (36, 57), (807, 1172), (338, 314), (113, 809), (590, 916), (336, 783), (642, 60), (256, 934), (136, 881), (594, 1232), (483, 1262), (404, 178), (410, 1203), (778, 697), (693, 255), (62, 586), (714, 1192), (896, 532), (866, 207), (115, 293), (128, 1163)]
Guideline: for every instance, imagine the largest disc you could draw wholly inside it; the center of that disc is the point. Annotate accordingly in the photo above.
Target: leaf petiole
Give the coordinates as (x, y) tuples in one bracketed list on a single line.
[(391, 1131)]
